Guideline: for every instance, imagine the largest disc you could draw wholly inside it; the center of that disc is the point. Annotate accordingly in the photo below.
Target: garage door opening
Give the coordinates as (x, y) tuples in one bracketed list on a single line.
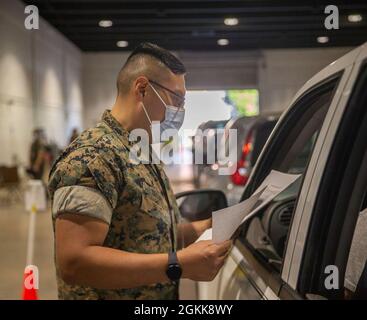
[(203, 106)]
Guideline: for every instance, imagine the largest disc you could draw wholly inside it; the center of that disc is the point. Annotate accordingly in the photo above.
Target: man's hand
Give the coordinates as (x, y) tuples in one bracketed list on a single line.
[(202, 260)]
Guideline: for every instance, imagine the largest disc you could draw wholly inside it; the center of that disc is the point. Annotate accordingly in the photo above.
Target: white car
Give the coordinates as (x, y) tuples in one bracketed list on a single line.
[(299, 246)]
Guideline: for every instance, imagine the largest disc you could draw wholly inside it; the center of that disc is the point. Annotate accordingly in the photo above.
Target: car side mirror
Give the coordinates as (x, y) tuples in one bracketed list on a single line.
[(199, 204)]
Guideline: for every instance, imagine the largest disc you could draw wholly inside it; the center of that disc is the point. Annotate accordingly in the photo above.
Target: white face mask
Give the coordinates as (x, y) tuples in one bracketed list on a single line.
[(174, 117)]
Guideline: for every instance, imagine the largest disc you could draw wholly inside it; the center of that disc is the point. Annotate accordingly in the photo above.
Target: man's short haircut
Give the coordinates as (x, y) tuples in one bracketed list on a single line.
[(150, 60)]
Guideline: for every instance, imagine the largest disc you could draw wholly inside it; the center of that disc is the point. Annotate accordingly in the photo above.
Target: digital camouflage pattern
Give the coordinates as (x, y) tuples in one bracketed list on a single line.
[(140, 223)]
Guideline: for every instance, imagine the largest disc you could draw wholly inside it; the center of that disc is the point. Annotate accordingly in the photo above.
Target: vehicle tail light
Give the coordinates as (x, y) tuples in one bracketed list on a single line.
[(242, 173)]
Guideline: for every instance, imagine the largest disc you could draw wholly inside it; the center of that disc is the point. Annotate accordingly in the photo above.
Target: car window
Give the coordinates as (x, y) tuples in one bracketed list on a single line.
[(267, 232), (262, 134), (299, 163)]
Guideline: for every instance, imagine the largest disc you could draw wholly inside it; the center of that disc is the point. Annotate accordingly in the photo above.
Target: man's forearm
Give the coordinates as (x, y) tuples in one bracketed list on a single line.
[(107, 268), (190, 232)]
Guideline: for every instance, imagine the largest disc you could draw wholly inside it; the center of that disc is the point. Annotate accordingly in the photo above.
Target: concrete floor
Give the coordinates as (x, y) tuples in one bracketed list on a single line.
[(13, 249), (13, 246)]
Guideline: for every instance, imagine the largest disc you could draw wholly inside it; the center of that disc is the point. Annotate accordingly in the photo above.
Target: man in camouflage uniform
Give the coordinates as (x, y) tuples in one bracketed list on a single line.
[(115, 220)]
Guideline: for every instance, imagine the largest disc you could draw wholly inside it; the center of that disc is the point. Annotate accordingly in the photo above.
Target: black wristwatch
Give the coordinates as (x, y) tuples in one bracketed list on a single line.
[(174, 270)]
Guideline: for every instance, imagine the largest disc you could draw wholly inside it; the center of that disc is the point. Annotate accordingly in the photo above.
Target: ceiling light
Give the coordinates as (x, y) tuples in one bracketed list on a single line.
[(105, 23), (322, 39), (354, 18), (231, 21), (223, 42), (122, 44)]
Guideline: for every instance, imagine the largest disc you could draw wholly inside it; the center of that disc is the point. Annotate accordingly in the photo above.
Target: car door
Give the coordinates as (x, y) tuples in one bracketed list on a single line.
[(330, 216), (254, 268)]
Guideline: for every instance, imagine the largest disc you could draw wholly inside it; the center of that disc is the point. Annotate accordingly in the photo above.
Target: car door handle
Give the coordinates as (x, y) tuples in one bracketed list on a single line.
[(275, 262)]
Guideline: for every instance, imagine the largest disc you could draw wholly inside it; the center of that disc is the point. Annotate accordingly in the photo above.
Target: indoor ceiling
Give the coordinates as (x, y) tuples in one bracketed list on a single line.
[(201, 25)]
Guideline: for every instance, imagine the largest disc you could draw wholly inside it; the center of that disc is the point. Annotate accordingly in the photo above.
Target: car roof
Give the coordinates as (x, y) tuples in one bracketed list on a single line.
[(212, 124), (252, 120)]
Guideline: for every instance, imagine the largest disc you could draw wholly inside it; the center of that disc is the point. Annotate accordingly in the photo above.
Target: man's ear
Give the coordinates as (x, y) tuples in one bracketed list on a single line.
[(141, 84)]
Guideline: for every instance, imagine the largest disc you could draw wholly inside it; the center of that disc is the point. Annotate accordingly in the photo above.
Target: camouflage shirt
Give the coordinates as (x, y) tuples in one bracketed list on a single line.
[(94, 177)]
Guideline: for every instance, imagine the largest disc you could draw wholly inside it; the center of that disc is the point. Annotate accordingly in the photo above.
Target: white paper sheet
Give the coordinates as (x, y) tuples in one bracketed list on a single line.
[(227, 221), (278, 180), (206, 235)]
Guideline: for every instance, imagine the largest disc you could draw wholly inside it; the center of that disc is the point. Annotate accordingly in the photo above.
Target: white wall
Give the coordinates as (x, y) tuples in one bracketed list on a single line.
[(40, 83), (278, 74), (220, 70), (99, 83), (282, 72)]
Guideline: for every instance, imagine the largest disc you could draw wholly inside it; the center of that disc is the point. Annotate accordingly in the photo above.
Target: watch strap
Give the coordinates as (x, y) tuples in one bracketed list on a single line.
[(172, 258)]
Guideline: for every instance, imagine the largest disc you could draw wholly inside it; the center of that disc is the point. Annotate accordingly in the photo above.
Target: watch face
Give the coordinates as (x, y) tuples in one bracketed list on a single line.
[(174, 271)]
